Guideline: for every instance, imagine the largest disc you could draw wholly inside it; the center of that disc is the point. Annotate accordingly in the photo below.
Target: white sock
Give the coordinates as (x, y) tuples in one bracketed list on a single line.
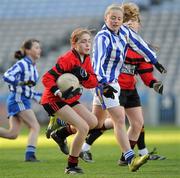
[(143, 152), (86, 147)]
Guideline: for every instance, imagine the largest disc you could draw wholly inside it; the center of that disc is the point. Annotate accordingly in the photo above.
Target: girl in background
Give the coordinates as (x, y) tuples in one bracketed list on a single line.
[(21, 79)]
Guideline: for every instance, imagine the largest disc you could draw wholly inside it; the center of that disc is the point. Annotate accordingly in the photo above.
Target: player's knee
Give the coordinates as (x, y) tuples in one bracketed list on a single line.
[(120, 122), (141, 124), (94, 123), (138, 125), (84, 129)]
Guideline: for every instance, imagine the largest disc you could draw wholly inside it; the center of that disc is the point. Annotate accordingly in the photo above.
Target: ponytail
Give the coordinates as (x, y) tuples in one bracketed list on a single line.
[(27, 45), (19, 55)]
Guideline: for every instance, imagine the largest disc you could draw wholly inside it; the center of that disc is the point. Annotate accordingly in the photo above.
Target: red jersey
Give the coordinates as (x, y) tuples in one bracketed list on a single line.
[(64, 64), (135, 64)]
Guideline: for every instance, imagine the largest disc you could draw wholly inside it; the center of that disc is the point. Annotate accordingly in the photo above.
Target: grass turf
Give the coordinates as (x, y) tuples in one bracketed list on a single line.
[(105, 153)]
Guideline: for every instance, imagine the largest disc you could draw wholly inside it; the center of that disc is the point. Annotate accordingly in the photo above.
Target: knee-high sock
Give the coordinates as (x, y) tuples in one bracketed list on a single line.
[(64, 131), (72, 161), (93, 135), (141, 140), (142, 150)]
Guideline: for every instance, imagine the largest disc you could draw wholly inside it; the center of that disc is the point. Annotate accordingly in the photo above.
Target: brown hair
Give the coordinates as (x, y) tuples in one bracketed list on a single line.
[(26, 45), (131, 10), (77, 33)]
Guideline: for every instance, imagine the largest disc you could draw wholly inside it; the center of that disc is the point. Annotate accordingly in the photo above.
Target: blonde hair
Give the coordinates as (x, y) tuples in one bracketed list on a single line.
[(131, 10), (112, 7), (77, 33)]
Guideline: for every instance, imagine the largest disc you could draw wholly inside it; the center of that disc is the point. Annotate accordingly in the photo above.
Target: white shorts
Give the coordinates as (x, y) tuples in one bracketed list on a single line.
[(106, 103)]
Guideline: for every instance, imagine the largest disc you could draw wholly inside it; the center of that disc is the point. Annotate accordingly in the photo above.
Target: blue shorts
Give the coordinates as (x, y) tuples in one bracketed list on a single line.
[(17, 103)]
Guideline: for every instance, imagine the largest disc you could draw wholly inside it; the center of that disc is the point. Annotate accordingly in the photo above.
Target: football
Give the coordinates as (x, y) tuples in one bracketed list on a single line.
[(67, 80)]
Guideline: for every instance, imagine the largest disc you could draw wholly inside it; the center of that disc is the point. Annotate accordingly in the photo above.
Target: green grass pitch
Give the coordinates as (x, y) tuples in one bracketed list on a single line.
[(105, 153)]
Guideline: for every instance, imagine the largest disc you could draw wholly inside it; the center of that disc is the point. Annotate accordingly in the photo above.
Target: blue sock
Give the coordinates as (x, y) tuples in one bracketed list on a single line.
[(129, 156), (30, 151)]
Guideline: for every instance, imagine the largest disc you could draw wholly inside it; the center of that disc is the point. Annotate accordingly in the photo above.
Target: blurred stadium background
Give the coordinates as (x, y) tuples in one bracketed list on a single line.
[(52, 21)]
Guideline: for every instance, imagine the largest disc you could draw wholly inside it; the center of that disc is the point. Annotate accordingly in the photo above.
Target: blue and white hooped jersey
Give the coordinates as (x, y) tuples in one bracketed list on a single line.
[(22, 70), (109, 51)]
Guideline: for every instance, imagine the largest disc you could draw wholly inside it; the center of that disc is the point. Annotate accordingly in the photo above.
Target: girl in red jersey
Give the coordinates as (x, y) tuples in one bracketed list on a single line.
[(129, 97), (65, 104)]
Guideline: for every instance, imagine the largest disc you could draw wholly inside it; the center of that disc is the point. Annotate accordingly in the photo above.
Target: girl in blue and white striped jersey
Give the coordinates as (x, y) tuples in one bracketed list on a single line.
[(110, 45), (21, 79)]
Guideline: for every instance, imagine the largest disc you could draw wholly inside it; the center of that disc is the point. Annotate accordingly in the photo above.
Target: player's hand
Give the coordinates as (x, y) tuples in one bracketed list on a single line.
[(108, 91), (158, 87), (29, 83), (80, 73), (160, 68), (69, 93)]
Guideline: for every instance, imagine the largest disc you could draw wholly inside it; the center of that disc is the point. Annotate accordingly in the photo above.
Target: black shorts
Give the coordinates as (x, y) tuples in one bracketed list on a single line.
[(129, 98), (51, 108)]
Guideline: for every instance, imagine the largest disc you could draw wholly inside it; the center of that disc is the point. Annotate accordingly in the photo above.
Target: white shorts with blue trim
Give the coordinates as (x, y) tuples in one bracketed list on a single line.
[(17, 103), (100, 99)]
